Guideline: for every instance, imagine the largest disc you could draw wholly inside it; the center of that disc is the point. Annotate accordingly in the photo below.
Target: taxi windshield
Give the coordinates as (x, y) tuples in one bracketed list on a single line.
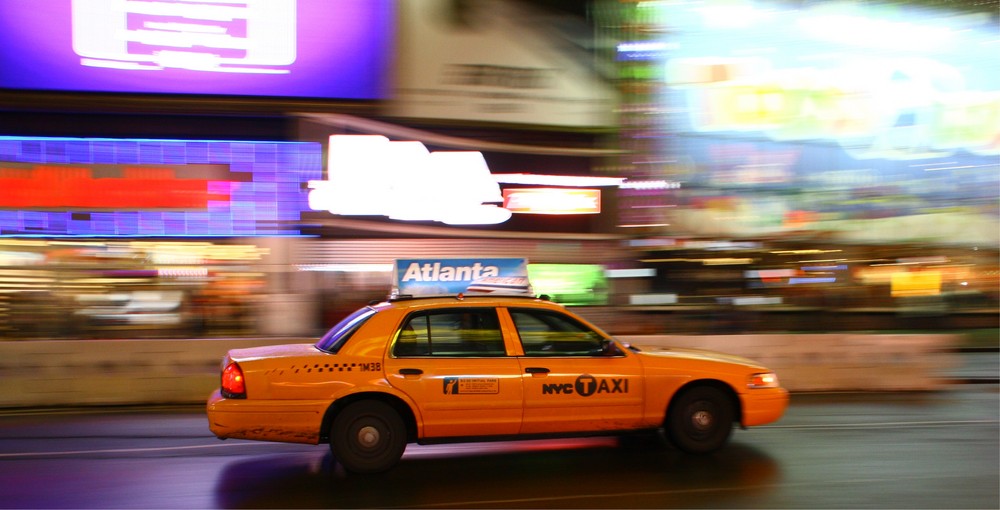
[(335, 338)]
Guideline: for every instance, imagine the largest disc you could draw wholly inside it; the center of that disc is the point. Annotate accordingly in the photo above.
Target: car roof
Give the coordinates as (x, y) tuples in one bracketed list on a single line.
[(458, 299)]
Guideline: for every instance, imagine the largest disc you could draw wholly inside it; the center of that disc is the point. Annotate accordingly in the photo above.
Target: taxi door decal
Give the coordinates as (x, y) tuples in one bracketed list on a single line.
[(587, 385), (471, 385)]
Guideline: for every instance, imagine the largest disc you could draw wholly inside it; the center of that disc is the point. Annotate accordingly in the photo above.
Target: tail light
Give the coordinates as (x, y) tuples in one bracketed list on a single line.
[(233, 385)]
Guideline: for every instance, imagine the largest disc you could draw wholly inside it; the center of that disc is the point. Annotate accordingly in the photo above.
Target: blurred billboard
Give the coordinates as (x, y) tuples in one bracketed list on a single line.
[(497, 61), (266, 48), (874, 122), (143, 187)]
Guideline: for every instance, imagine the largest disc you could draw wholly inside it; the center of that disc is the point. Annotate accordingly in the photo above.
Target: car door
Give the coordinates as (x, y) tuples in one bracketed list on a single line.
[(574, 379), (454, 364)]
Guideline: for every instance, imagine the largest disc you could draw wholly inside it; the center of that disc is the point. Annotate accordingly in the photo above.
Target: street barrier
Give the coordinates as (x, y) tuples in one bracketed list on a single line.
[(48, 373), (834, 362)]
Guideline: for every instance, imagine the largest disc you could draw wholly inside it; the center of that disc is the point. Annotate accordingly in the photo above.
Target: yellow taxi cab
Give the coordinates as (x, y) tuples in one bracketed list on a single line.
[(462, 368)]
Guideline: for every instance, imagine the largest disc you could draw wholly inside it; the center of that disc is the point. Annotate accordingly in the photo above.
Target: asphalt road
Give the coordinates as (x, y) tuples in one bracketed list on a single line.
[(884, 450)]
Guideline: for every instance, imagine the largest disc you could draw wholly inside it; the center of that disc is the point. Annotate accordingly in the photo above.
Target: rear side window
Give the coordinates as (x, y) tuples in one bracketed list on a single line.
[(338, 335), (549, 333), (457, 332)]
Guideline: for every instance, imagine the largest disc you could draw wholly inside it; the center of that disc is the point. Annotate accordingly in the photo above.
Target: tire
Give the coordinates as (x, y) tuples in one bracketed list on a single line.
[(368, 437), (701, 420)]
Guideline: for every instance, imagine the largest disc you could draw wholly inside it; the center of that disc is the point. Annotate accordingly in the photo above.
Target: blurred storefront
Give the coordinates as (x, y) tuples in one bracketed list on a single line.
[(152, 221), (817, 285), (127, 289), (688, 167), (140, 237)]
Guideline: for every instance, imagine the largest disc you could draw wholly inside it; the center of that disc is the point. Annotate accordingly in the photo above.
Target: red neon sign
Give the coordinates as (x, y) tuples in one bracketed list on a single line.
[(146, 187)]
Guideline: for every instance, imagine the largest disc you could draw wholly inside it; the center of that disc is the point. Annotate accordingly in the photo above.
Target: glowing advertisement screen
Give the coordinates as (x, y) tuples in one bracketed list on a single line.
[(272, 48), (570, 284), (843, 110), (170, 188), (442, 277)]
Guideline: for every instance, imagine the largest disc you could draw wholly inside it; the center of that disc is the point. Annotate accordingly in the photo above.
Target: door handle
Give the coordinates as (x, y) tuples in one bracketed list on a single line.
[(410, 371), (536, 370)]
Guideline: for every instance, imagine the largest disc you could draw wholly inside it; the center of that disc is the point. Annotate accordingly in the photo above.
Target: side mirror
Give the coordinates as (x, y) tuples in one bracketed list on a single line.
[(609, 348)]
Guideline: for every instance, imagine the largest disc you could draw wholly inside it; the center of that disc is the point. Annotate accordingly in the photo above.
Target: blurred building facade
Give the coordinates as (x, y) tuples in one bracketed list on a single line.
[(812, 156), (725, 169)]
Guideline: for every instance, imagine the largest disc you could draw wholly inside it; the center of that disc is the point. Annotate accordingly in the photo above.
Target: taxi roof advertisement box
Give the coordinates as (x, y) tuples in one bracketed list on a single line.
[(435, 277)]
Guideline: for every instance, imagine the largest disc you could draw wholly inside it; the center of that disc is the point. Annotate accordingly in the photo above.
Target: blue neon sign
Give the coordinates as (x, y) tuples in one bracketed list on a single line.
[(241, 188)]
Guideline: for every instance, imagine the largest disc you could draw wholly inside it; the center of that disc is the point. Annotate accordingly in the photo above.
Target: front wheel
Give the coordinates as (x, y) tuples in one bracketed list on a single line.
[(701, 420), (368, 437)]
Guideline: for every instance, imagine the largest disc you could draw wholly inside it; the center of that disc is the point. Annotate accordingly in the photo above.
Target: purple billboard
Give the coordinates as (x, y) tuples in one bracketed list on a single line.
[(268, 48)]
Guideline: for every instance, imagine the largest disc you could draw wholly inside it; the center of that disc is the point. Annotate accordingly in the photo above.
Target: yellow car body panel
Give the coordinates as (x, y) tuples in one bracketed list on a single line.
[(515, 388), (266, 420)]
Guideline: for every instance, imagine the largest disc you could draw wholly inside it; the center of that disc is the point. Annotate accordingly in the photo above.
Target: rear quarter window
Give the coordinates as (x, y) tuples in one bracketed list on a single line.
[(338, 335)]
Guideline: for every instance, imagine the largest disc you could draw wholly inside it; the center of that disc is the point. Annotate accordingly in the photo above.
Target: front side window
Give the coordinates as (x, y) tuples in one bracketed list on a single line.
[(458, 332), (549, 333)]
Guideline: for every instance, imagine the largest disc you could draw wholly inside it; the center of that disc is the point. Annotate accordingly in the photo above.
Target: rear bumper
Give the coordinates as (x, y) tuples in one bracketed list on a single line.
[(765, 405), (287, 421)]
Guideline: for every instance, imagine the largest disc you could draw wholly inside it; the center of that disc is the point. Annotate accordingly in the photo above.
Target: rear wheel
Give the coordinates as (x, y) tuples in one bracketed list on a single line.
[(701, 420), (368, 437)]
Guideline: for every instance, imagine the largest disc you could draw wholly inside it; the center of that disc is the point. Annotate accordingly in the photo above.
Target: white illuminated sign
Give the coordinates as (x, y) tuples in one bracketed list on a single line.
[(368, 175), (249, 36), (553, 200)]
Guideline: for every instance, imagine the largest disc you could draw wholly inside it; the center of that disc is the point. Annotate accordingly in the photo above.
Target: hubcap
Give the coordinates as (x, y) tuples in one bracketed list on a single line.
[(702, 419), (368, 436)]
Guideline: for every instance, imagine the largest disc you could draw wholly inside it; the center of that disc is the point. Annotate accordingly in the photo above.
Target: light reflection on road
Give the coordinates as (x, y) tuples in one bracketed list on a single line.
[(886, 450)]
